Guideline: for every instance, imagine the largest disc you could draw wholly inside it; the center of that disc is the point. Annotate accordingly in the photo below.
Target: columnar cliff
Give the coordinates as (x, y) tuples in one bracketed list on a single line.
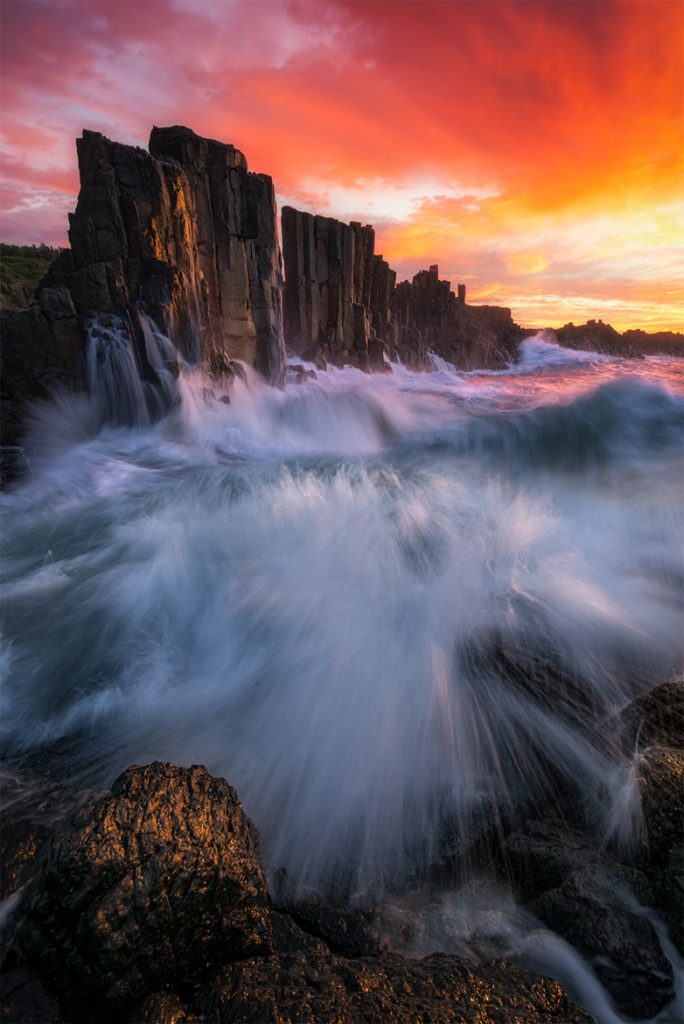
[(342, 304), (187, 231), (337, 291), (429, 314), (184, 233), (187, 235)]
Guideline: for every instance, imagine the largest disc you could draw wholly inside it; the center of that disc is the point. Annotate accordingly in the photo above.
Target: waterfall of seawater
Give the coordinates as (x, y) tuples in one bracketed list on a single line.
[(387, 609), (120, 393)]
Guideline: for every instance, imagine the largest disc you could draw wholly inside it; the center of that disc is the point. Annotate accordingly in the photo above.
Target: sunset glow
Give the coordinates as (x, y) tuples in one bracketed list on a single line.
[(532, 149)]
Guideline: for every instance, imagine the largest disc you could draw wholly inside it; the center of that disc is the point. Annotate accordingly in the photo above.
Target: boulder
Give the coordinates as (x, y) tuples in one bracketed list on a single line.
[(593, 901), (153, 886), (305, 987)]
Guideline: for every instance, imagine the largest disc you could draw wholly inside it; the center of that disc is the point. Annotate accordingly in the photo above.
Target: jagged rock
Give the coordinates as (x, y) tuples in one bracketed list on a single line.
[(591, 901), (153, 886), (151, 907), (430, 316), (653, 726), (185, 233), (315, 985), (236, 250)]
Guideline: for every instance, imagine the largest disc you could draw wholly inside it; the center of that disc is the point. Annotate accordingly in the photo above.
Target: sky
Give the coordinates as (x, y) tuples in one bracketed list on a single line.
[(534, 149)]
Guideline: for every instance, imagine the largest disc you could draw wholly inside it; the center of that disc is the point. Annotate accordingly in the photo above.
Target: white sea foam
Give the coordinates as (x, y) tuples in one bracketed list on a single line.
[(378, 604)]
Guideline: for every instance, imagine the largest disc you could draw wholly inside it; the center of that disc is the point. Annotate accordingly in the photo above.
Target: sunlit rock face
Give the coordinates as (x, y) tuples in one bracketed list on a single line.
[(187, 230), (234, 250), (185, 234), (337, 291)]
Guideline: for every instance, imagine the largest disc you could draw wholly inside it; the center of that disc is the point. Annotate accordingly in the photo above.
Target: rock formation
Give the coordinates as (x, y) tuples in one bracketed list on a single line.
[(597, 336), (590, 895), (430, 316), (150, 905), (184, 233), (342, 304), (336, 290)]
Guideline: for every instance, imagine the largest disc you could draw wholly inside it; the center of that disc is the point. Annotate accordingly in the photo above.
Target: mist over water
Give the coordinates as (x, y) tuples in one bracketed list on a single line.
[(380, 606)]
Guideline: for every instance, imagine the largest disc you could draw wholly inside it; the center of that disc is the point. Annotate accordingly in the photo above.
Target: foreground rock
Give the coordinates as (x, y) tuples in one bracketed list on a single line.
[(153, 886), (598, 899), (653, 727), (151, 905), (315, 985), (593, 903)]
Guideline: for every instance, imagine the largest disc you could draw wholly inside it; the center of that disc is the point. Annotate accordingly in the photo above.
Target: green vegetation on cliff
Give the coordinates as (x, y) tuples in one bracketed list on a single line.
[(21, 269)]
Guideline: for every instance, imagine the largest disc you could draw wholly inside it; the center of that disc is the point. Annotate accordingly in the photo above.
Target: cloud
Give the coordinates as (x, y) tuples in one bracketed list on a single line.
[(529, 145)]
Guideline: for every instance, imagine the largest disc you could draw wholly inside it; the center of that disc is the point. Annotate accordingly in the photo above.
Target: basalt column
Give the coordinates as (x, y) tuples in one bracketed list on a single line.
[(186, 233), (236, 246), (336, 299), (431, 318)]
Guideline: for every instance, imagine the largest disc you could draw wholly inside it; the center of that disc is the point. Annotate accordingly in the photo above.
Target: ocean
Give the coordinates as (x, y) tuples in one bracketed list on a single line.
[(386, 608)]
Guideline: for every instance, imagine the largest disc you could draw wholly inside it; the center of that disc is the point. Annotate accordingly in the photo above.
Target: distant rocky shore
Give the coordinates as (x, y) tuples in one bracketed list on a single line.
[(597, 336)]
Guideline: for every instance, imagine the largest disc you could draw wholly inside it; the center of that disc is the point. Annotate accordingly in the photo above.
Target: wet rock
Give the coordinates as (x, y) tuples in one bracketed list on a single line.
[(319, 986), (655, 718), (660, 772), (163, 1008), (593, 902), (652, 730), (430, 316), (298, 374), (345, 930), (337, 291), (153, 886), (41, 349), (34, 807), (21, 842), (620, 943), (24, 1000)]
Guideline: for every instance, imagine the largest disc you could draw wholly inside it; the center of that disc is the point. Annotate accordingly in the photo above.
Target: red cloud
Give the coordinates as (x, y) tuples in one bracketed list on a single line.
[(566, 108)]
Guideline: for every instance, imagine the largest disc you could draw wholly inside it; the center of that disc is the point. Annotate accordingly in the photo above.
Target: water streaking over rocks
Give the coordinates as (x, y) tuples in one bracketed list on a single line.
[(388, 609)]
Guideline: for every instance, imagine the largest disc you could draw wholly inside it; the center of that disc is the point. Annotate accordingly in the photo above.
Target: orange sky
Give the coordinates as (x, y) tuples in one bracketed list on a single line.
[(533, 149)]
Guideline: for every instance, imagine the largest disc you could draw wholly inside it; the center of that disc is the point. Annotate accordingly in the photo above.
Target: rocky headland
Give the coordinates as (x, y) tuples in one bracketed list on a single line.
[(597, 336), (186, 235)]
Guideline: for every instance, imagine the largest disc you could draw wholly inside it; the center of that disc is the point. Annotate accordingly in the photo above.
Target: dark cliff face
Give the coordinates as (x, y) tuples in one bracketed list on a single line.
[(336, 290), (184, 233), (430, 316), (342, 304), (597, 336)]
